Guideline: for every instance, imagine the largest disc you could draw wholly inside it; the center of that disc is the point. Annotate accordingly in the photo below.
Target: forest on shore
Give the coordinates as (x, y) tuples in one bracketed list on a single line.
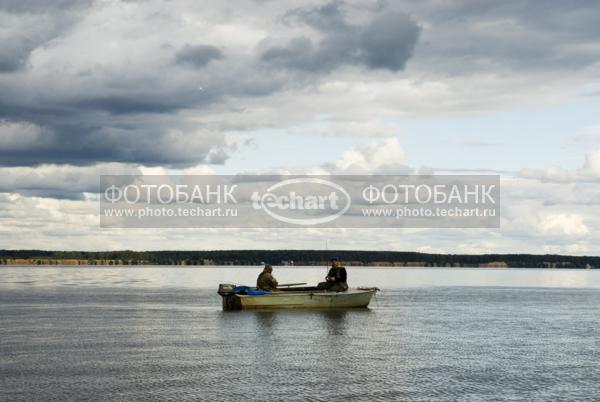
[(294, 257)]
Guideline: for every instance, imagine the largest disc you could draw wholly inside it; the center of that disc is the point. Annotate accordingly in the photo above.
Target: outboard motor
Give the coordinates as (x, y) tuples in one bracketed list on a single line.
[(230, 301), (225, 289)]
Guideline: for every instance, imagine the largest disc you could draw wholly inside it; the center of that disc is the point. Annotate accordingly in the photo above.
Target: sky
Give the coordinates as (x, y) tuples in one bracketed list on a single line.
[(300, 87)]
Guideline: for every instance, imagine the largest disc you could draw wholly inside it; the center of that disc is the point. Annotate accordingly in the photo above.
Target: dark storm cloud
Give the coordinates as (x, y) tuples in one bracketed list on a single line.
[(298, 53), (102, 113), (84, 115), (129, 126), (386, 41), (131, 104), (128, 122), (326, 17), (14, 54), (86, 143), (110, 111), (198, 55), (513, 36), (26, 25), (36, 6), (134, 106)]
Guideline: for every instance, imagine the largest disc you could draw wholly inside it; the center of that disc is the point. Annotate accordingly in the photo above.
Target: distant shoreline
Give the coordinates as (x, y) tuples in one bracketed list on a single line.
[(291, 258), (208, 267)]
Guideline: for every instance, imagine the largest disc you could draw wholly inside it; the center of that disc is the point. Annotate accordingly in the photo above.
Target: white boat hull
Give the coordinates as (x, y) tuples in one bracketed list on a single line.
[(352, 298)]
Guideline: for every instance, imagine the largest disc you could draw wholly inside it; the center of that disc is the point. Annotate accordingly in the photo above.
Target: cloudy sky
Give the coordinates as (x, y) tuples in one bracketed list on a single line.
[(262, 86)]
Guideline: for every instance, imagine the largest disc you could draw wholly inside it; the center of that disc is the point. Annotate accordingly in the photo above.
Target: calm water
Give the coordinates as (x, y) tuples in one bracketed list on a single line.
[(125, 334)]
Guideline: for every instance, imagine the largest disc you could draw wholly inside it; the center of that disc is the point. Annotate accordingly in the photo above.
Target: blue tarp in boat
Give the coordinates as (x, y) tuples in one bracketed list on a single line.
[(247, 290)]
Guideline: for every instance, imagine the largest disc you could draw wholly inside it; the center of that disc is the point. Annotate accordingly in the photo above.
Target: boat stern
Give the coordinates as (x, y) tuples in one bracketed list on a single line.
[(230, 300)]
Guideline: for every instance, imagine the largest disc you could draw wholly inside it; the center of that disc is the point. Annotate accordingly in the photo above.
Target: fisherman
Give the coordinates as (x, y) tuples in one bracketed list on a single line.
[(336, 278), (265, 280)]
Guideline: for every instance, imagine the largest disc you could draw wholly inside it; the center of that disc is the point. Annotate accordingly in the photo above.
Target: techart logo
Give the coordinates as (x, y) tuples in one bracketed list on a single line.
[(303, 201)]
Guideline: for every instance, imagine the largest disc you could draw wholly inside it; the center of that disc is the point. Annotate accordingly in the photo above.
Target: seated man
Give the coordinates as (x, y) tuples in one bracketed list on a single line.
[(336, 278), (265, 280)]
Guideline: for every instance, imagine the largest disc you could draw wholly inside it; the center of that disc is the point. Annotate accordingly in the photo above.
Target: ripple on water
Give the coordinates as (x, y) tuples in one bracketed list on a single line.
[(468, 343)]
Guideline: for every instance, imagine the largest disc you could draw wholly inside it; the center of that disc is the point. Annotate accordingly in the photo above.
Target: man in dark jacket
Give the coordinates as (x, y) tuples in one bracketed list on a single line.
[(265, 280), (336, 278)]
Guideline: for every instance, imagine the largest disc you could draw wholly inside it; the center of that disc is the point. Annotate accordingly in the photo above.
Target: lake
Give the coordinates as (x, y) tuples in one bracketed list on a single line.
[(158, 333)]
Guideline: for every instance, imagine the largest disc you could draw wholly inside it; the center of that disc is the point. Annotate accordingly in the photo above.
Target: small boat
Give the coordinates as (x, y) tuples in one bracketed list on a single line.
[(293, 298)]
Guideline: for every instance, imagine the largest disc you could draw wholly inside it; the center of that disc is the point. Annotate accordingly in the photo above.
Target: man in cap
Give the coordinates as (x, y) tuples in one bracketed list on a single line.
[(336, 278), (265, 280)]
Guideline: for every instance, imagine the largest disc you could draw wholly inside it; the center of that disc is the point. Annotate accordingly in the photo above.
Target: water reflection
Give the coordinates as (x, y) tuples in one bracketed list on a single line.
[(265, 321), (269, 323), (335, 321)]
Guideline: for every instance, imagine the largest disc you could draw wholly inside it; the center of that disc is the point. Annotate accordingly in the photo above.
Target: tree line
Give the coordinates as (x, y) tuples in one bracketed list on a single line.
[(305, 257)]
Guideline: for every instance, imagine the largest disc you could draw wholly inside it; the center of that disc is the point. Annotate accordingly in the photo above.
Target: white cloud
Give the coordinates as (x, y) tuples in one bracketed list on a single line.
[(570, 225), (577, 248), (356, 129), (588, 134), (379, 157), (476, 247), (67, 181), (589, 172), (153, 170), (591, 167), (111, 69), (552, 249), (199, 170), (536, 216), (33, 222)]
